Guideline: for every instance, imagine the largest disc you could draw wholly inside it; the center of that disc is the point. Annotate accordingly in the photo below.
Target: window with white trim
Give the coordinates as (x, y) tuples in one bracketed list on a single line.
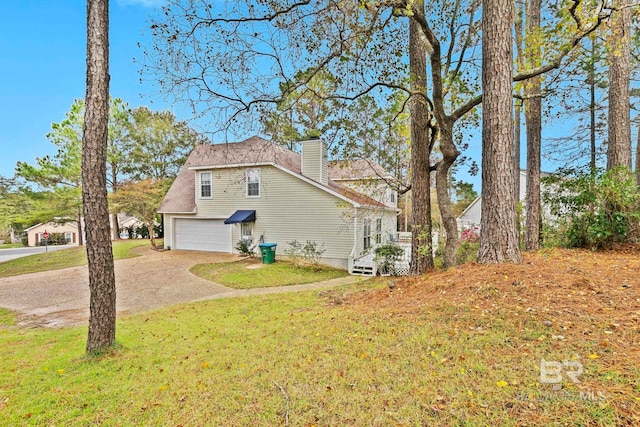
[(68, 237), (253, 182), (378, 235), (247, 230), (393, 197), (366, 233), (205, 184)]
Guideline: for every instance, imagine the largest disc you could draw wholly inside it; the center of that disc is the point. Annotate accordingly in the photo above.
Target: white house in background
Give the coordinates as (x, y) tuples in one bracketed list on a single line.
[(69, 227), (260, 190), (126, 222), (472, 215), (35, 234)]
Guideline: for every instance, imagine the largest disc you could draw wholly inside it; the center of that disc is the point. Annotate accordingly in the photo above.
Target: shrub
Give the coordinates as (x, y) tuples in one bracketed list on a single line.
[(386, 257), (309, 253), (244, 246), (55, 239), (467, 251), (471, 234), (594, 211)]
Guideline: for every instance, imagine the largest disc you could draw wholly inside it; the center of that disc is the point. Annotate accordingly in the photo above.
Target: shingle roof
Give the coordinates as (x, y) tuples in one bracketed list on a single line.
[(181, 196), (356, 169)]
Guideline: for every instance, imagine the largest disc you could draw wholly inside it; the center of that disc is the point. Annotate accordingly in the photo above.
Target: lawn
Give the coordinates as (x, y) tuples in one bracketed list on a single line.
[(462, 347), (65, 258), (251, 273), (11, 245)]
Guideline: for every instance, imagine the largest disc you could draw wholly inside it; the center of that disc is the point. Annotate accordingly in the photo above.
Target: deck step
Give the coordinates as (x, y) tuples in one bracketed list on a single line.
[(364, 269)]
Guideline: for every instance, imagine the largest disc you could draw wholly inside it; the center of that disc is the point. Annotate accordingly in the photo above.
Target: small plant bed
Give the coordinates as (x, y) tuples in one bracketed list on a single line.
[(72, 257), (251, 273)]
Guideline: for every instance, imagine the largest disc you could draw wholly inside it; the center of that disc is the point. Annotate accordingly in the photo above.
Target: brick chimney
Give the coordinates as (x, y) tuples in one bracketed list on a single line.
[(314, 160)]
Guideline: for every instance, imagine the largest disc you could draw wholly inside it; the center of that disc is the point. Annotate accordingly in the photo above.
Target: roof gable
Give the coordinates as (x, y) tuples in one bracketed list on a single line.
[(253, 151)]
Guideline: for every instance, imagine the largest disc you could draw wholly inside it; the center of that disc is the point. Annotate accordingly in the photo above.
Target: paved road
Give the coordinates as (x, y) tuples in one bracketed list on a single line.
[(13, 253), (153, 280)]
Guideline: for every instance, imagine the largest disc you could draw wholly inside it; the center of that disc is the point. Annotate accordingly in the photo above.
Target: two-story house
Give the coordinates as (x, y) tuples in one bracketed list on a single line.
[(261, 190)]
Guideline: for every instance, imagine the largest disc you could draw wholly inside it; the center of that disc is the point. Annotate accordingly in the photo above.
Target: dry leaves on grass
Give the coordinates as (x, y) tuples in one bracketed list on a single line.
[(585, 300)]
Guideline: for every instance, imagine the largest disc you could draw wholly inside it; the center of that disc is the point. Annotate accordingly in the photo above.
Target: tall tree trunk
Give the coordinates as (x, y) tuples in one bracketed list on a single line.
[(449, 155), (533, 117), (619, 148), (638, 156), (517, 136), (498, 233), (421, 145), (152, 236), (80, 228), (518, 26), (102, 318), (115, 231), (592, 109)]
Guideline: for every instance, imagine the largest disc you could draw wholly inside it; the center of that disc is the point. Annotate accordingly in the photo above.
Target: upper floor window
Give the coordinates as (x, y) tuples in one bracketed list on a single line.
[(253, 183), (205, 184), (393, 197)]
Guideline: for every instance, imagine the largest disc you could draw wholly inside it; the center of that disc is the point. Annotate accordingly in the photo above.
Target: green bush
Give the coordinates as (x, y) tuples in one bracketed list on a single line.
[(55, 239), (386, 257), (467, 251), (244, 246), (309, 253), (593, 211)]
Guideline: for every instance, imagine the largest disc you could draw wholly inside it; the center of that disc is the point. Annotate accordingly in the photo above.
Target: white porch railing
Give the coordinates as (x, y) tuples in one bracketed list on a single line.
[(365, 264)]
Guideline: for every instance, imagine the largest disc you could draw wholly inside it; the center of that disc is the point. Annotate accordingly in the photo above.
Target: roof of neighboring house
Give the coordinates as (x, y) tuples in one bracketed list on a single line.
[(478, 199), (253, 151), (54, 221), (356, 169)]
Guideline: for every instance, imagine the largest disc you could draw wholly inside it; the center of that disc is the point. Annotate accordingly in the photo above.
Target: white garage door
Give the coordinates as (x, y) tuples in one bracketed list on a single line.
[(202, 235)]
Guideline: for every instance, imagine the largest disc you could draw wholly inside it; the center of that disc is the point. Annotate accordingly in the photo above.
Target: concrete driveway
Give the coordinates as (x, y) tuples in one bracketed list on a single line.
[(153, 280)]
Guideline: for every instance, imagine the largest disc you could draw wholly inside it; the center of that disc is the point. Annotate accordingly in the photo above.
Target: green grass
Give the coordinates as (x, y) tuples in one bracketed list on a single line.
[(250, 273), (64, 258), (11, 245), (222, 362)]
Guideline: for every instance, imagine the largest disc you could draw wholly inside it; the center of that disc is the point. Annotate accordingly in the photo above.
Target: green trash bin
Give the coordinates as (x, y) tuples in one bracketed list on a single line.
[(268, 252)]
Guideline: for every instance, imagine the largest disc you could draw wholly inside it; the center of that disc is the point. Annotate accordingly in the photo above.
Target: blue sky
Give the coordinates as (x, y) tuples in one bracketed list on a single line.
[(42, 68), (42, 63)]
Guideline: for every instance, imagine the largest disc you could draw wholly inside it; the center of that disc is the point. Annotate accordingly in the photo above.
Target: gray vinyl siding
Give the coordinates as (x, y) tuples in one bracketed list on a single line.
[(288, 209)]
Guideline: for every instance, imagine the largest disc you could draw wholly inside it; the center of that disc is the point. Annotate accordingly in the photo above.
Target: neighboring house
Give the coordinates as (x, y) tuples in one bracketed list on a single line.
[(260, 190), (472, 215), (126, 222), (35, 234), (70, 228)]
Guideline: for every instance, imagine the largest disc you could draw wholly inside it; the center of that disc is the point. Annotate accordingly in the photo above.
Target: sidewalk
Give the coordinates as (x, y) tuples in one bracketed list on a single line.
[(326, 284)]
